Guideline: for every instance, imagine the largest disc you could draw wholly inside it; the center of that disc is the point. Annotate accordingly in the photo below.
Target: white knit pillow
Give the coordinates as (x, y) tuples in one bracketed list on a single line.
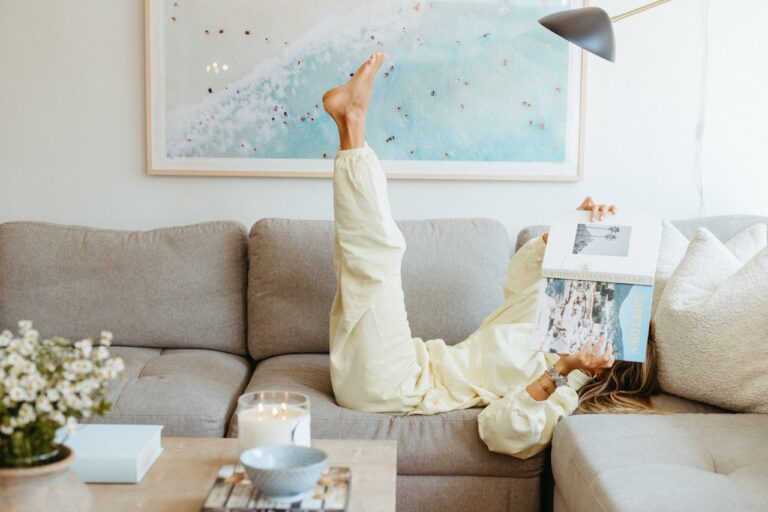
[(674, 244), (712, 326)]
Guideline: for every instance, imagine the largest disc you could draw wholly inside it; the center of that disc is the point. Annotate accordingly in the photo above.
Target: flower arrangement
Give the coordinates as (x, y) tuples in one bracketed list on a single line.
[(46, 384)]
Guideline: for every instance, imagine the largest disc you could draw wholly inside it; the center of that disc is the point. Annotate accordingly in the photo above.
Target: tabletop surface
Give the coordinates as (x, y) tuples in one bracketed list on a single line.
[(180, 479)]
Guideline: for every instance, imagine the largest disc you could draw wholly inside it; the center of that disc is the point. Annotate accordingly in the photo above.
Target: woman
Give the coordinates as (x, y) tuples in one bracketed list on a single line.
[(377, 366)]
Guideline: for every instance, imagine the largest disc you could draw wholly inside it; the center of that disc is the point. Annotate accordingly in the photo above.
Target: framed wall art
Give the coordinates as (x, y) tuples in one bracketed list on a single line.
[(472, 89)]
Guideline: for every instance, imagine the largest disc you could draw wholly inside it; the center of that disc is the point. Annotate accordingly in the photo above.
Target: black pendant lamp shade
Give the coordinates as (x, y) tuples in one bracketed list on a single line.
[(588, 27)]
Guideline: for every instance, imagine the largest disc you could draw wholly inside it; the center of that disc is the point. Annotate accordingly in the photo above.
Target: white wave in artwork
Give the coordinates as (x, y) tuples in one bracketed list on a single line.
[(253, 112)]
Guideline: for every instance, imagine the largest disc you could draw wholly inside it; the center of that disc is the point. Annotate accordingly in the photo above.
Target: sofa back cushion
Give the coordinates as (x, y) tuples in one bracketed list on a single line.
[(180, 287), (452, 275), (724, 227)]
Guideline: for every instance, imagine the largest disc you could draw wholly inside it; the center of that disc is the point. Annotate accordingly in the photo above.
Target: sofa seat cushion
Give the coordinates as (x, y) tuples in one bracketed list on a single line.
[(191, 392), (443, 444), (674, 462)]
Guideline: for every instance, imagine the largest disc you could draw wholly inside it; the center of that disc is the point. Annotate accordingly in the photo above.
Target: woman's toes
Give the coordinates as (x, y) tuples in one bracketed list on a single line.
[(379, 58)]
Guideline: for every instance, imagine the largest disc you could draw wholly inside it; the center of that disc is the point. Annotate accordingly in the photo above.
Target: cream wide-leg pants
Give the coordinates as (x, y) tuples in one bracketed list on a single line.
[(377, 366)]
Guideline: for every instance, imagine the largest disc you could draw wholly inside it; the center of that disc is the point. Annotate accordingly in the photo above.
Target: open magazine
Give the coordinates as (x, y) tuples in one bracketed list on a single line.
[(598, 281)]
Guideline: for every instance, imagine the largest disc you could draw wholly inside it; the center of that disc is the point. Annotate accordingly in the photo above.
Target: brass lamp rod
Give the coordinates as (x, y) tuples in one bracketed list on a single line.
[(638, 10)]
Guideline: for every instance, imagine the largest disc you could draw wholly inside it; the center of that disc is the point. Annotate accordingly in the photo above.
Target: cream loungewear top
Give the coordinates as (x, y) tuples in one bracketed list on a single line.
[(377, 366)]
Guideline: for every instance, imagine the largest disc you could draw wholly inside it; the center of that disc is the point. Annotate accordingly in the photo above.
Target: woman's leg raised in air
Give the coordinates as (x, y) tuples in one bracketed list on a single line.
[(375, 363)]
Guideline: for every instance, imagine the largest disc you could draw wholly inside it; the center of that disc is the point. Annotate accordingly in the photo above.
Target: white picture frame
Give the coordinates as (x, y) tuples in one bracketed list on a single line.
[(160, 163)]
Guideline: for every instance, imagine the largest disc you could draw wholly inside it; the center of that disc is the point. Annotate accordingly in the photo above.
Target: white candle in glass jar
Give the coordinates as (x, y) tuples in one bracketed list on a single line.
[(270, 424)]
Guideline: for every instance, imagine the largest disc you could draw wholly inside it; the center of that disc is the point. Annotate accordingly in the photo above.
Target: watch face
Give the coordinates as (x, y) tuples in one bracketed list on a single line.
[(558, 379)]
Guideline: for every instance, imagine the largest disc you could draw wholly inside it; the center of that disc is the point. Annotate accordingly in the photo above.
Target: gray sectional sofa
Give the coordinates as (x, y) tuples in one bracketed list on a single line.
[(206, 312)]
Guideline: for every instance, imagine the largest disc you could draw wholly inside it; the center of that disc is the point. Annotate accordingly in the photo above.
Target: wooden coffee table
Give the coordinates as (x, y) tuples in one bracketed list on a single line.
[(180, 479)]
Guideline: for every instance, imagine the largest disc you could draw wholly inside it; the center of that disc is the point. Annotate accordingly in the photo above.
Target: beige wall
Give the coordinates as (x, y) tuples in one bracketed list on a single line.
[(72, 127)]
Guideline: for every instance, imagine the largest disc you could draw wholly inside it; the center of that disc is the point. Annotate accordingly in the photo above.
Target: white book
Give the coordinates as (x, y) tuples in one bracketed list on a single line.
[(114, 453), (621, 249)]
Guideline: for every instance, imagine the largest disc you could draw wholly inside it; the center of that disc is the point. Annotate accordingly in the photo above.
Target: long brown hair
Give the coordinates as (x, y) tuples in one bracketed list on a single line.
[(625, 387)]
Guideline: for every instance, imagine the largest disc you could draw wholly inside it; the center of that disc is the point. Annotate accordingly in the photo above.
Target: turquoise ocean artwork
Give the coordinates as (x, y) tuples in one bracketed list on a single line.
[(238, 84)]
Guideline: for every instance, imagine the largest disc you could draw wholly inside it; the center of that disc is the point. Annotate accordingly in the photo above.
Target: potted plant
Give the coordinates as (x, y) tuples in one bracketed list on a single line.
[(47, 385)]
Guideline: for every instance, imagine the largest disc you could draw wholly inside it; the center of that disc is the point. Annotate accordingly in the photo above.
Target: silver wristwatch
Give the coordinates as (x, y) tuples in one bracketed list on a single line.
[(558, 379)]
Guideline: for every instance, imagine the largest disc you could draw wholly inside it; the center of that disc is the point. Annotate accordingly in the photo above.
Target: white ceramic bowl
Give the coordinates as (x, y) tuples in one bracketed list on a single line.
[(283, 470)]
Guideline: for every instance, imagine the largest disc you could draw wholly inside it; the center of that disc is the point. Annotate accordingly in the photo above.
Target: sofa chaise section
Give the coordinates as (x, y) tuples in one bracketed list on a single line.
[(671, 462), (174, 299), (692, 456)]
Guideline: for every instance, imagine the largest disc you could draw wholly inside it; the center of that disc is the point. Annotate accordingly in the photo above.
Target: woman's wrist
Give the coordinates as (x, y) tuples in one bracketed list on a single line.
[(546, 383), (565, 366), (541, 388)]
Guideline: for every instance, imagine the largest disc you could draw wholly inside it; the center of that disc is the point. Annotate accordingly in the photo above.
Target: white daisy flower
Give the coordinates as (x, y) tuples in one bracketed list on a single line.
[(82, 366), (32, 335), (58, 417), (106, 338), (101, 353), (17, 394), (26, 414), (43, 405), (85, 346), (53, 394)]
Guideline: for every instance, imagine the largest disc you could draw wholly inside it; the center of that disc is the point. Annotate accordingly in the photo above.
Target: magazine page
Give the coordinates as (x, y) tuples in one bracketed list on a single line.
[(623, 248), (569, 312)]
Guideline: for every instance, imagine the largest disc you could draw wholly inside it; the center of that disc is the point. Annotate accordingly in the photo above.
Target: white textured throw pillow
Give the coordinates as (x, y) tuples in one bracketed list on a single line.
[(712, 325), (674, 244)]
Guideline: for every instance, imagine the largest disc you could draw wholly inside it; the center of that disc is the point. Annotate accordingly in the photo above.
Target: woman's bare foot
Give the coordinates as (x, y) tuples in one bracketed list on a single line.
[(348, 103)]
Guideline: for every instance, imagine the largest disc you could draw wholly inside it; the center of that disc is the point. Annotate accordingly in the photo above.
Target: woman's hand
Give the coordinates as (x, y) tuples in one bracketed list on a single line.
[(590, 359), (598, 210)]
